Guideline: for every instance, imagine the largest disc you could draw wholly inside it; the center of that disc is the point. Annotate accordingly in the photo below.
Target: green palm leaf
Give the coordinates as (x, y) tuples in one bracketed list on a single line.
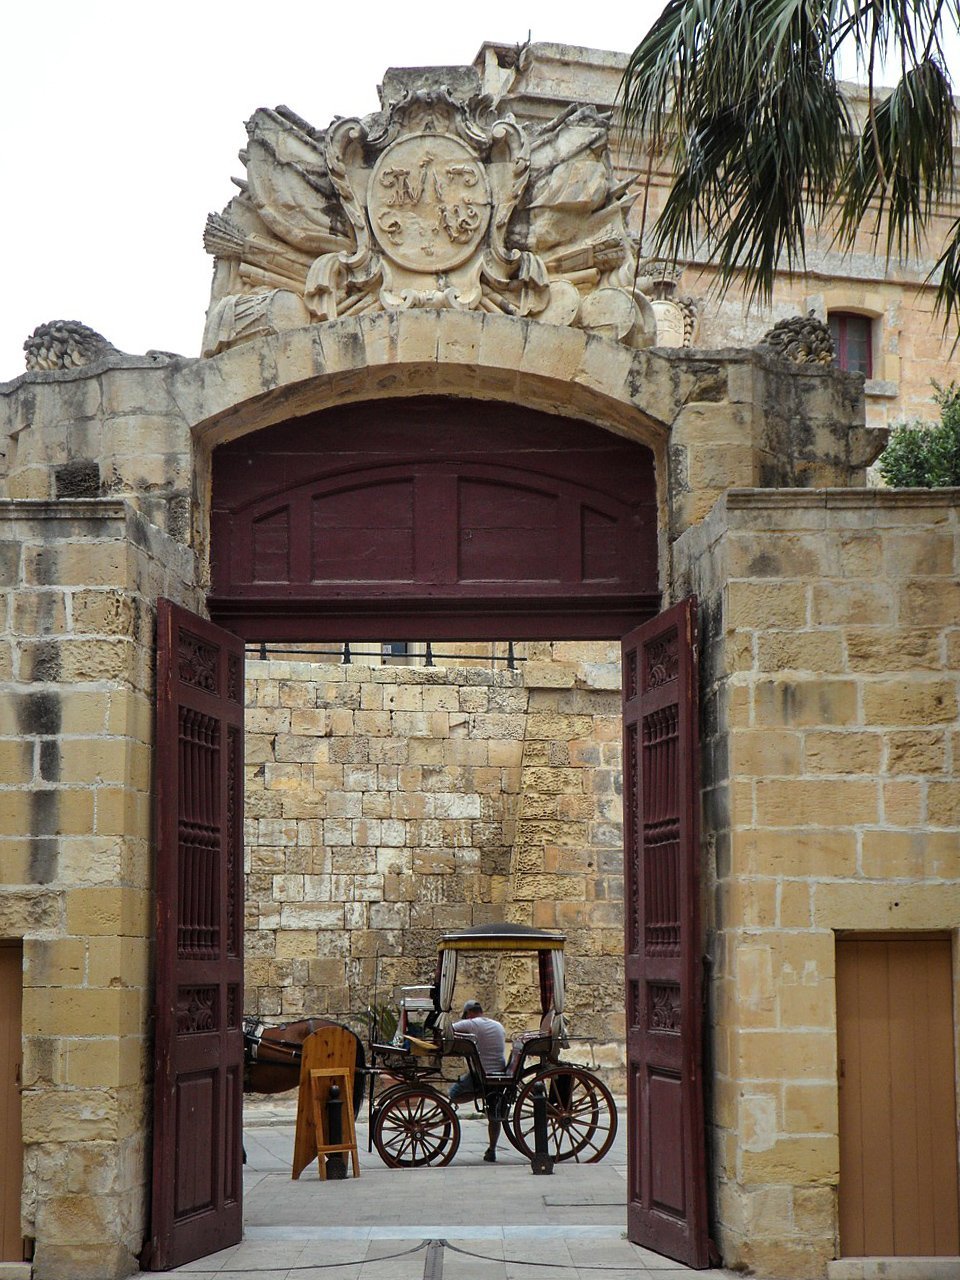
[(744, 95)]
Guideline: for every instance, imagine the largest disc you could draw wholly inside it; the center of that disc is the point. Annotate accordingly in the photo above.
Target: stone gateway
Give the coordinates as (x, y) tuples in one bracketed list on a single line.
[(444, 395)]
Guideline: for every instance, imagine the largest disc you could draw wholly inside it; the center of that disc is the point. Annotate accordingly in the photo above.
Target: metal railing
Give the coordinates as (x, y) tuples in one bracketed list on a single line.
[(388, 653)]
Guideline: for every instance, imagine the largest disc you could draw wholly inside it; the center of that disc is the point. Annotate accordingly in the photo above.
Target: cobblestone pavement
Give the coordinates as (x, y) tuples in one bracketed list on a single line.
[(468, 1221)]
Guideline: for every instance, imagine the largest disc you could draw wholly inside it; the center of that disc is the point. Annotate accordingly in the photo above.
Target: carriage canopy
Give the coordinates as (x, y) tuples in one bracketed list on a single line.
[(510, 938)]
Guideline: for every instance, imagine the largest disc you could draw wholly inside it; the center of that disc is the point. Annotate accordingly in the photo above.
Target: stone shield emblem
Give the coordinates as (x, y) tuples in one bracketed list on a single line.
[(429, 203)]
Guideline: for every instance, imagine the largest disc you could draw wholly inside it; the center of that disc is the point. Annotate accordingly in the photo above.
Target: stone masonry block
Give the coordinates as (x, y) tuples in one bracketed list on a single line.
[(810, 802), (805, 702), (762, 606), (913, 701)]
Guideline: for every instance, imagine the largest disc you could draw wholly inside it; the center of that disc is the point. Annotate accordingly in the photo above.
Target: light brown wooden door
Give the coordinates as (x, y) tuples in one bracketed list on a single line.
[(11, 1142), (898, 1131)]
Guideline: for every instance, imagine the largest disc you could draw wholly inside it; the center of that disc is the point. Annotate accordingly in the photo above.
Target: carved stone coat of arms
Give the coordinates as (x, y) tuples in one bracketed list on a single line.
[(434, 201)]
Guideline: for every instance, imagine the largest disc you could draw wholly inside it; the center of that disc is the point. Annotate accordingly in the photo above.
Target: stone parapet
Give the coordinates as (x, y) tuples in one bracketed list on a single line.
[(110, 429)]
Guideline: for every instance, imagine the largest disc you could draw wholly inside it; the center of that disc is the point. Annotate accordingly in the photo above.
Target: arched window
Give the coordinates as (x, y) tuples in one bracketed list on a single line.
[(852, 341)]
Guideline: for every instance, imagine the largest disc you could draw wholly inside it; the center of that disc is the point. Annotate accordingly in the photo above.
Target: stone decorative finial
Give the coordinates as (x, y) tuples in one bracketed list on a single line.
[(801, 339), (64, 344)]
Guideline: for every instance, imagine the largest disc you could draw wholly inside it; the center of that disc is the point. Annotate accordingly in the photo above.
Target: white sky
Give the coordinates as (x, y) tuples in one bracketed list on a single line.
[(120, 125)]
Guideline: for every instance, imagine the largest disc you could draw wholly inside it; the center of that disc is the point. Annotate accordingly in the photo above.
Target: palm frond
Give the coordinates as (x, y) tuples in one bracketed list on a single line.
[(948, 267), (744, 94), (902, 166)]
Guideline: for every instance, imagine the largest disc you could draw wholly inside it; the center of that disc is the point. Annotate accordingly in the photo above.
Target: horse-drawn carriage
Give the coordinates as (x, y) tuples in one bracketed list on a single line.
[(412, 1121)]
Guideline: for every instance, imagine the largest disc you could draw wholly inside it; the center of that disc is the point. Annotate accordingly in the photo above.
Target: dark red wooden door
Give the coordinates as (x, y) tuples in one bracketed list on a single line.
[(197, 1183), (667, 1201)]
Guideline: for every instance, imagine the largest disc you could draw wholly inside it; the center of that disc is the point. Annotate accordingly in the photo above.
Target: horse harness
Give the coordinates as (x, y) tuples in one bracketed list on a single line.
[(290, 1052)]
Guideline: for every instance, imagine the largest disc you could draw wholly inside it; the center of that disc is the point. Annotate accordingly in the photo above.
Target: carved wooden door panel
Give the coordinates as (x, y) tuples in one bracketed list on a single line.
[(197, 1183), (667, 1201)]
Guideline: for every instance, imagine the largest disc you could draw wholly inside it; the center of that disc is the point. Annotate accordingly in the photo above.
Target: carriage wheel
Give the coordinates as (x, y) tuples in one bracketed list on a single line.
[(581, 1116), (415, 1127)]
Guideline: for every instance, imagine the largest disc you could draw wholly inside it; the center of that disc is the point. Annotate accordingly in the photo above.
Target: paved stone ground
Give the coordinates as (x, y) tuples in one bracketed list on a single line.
[(469, 1221)]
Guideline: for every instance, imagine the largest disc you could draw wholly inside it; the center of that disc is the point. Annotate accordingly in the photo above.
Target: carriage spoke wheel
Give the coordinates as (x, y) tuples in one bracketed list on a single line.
[(416, 1127), (581, 1116)]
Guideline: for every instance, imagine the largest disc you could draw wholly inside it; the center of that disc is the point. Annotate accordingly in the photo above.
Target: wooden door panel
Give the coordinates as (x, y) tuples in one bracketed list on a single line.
[(898, 1138), (431, 506), (666, 1177), (196, 1203), (11, 1141)]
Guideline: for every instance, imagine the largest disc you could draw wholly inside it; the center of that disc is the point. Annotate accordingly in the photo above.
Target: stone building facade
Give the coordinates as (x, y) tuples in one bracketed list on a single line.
[(830, 677)]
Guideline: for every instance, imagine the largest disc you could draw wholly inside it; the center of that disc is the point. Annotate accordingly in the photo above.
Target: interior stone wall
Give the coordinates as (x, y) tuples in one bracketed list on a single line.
[(831, 755), (386, 805)]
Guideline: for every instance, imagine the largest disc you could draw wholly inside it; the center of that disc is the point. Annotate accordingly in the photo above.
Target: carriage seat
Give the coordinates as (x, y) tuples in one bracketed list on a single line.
[(488, 1085), (539, 1043), (422, 1047)]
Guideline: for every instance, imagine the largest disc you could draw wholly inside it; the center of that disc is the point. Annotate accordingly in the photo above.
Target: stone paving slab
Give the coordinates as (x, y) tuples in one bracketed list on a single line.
[(490, 1222)]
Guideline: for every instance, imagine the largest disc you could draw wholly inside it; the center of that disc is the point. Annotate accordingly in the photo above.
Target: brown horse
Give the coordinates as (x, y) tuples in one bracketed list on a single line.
[(272, 1055)]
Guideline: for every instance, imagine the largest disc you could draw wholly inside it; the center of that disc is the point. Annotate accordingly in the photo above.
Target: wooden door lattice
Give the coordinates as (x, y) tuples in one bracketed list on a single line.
[(197, 1186), (666, 1150)]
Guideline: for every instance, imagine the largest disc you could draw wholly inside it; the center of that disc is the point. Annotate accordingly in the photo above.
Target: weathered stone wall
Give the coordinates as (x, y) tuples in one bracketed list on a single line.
[(567, 864), (103, 432), (79, 581), (386, 805), (832, 757), (145, 430)]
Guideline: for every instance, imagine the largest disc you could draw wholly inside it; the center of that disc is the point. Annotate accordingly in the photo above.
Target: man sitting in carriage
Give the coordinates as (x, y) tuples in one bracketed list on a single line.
[(491, 1041)]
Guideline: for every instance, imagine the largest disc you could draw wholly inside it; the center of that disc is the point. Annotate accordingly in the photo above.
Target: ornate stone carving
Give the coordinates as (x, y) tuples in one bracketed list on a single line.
[(434, 201), (675, 316), (64, 344), (671, 323), (801, 339)]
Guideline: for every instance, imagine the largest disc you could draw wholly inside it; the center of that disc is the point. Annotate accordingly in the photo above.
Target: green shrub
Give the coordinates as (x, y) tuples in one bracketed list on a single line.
[(926, 456)]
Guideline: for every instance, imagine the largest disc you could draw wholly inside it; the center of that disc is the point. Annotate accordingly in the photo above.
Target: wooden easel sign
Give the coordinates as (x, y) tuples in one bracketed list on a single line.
[(329, 1058)]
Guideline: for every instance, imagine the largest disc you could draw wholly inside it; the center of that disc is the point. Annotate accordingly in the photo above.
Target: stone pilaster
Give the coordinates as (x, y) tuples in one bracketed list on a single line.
[(80, 580)]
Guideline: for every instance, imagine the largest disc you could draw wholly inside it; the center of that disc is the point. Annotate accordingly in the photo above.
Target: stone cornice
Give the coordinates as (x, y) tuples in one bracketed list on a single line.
[(849, 499)]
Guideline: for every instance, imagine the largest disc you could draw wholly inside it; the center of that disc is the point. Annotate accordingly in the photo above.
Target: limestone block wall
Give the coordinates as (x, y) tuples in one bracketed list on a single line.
[(831, 685), (567, 863), (79, 580), (386, 805), (114, 429)]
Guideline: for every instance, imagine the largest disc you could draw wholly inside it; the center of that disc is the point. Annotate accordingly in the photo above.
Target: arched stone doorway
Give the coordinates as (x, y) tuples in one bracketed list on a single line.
[(468, 516)]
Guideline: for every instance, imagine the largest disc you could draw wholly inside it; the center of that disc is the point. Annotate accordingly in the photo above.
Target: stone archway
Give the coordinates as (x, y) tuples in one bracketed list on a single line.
[(266, 497), (713, 421), (468, 355)]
